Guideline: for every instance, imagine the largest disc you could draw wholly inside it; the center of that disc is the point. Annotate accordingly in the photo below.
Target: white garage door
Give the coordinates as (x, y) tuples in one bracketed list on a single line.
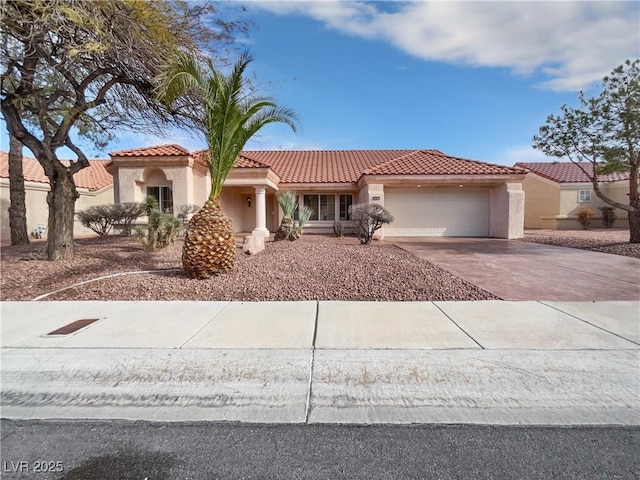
[(437, 212)]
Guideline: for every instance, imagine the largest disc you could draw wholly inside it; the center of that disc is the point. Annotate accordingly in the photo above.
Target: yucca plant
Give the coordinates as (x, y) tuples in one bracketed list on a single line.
[(288, 202), (303, 218), (228, 116)]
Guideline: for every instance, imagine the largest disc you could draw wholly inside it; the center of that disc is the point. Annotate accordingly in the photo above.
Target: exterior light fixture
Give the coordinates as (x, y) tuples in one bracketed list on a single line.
[(460, 186), (248, 201)]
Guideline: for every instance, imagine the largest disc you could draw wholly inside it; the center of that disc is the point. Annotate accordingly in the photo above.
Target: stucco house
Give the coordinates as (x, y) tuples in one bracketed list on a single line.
[(557, 191), (428, 192), (94, 184)]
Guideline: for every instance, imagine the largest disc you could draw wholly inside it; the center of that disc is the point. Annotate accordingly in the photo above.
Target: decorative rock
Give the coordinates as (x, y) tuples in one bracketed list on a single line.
[(253, 244)]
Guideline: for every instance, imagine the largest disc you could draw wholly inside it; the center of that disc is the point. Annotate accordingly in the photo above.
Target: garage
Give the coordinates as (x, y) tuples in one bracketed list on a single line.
[(437, 212)]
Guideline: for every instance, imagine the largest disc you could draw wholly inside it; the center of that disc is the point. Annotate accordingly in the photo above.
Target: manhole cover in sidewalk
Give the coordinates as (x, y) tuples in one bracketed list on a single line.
[(73, 326)]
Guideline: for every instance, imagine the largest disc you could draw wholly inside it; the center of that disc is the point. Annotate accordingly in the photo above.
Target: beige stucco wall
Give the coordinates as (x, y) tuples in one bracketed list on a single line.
[(556, 206), (542, 200), (570, 206), (201, 187), (233, 202), (506, 211), (38, 210)]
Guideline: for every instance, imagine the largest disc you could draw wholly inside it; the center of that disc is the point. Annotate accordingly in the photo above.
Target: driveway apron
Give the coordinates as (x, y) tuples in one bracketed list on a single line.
[(519, 270)]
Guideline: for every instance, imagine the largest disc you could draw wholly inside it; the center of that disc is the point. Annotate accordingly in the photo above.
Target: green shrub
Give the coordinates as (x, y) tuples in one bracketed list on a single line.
[(608, 216), (184, 214), (290, 230), (303, 218), (162, 228), (127, 213), (99, 218)]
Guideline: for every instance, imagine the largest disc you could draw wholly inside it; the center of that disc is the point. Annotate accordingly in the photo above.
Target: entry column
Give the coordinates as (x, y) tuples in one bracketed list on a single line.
[(261, 213)]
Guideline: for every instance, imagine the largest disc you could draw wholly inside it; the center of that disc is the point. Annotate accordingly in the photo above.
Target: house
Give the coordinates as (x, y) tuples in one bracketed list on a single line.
[(557, 191), (428, 192), (94, 184)]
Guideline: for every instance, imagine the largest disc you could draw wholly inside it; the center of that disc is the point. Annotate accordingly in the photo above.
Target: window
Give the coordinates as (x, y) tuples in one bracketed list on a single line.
[(584, 195), (164, 196), (323, 206), (345, 202)]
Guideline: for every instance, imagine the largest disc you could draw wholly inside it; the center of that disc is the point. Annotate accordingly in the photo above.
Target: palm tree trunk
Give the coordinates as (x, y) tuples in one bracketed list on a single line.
[(209, 244)]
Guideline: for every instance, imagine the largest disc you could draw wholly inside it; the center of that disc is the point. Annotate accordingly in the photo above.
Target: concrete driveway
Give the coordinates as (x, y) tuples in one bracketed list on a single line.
[(519, 270)]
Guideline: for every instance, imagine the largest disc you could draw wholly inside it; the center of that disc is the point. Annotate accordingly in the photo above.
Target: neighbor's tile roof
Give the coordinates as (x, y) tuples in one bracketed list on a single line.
[(94, 177), (154, 151), (569, 172)]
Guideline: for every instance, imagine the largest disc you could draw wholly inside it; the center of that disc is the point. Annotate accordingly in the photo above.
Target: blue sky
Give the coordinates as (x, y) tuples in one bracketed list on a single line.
[(473, 79)]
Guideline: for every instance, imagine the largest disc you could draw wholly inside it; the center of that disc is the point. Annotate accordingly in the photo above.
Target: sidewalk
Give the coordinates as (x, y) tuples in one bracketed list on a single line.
[(488, 362)]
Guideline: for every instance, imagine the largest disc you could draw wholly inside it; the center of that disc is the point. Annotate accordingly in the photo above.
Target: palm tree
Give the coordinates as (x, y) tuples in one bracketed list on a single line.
[(229, 117)]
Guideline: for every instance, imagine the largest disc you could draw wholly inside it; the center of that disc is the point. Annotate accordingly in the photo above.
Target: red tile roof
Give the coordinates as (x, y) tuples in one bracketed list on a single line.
[(569, 172), (94, 177), (321, 166), (342, 166), (202, 156), (434, 162), (168, 150)]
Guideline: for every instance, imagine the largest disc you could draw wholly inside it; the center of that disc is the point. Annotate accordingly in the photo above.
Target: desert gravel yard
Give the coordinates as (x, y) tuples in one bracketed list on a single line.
[(314, 267), (605, 240)]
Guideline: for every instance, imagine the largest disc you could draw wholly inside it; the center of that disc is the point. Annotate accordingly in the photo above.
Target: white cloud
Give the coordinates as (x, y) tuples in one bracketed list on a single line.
[(522, 153), (574, 44)]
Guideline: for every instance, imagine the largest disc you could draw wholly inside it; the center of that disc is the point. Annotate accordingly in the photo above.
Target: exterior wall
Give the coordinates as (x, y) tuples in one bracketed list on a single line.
[(38, 210), (556, 206), (233, 202), (570, 206), (619, 192), (201, 187), (373, 193), (324, 226), (542, 202), (506, 211)]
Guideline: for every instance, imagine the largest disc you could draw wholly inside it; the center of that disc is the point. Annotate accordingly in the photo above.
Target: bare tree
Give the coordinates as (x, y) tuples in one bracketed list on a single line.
[(17, 207), (89, 67)]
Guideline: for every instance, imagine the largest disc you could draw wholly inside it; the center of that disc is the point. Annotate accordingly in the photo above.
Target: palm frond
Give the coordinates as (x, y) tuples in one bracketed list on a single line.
[(230, 117)]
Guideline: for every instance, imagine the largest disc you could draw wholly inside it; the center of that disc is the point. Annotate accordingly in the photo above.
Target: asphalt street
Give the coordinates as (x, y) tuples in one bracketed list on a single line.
[(121, 450)]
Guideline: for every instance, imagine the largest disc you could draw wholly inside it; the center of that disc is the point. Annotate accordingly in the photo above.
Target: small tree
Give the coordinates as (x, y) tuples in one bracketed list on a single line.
[(367, 218), (603, 136)]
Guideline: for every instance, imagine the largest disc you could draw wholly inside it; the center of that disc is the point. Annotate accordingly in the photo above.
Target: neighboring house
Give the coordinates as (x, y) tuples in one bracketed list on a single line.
[(428, 192), (556, 191), (94, 184)]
